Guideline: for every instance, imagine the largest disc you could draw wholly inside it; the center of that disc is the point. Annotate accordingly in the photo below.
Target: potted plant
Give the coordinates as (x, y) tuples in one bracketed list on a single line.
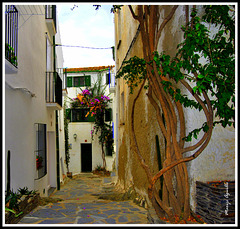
[(10, 54), (39, 161)]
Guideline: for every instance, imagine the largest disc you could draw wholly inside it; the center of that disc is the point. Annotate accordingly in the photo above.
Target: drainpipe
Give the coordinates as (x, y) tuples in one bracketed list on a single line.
[(8, 173), (57, 133), (109, 78)]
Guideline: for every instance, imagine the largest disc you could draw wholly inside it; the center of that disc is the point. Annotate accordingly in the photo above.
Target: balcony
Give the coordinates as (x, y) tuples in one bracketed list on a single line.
[(11, 39), (63, 75), (50, 16), (53, 90)]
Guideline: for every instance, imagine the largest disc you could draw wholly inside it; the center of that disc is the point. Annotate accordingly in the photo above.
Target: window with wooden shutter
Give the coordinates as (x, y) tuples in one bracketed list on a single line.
[(79, 81), (69, 82), (87, 81)]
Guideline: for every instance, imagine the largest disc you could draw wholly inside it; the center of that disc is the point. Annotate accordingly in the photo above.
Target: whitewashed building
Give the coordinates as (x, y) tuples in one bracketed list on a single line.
[(85, 153), (33, 98)]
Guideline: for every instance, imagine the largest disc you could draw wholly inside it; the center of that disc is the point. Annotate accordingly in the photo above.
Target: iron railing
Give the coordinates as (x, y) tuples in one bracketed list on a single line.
[(11, 34), (63, 75), (53, 88)]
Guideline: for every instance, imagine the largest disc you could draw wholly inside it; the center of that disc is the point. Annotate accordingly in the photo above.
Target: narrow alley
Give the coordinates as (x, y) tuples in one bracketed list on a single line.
[(81, 205)]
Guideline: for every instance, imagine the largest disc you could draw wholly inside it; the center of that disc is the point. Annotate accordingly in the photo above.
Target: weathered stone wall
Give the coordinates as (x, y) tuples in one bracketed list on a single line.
[(216, 202)]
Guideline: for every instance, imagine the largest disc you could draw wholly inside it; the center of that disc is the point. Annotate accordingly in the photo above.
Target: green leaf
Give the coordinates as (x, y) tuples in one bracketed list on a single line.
[(200, 76), (195, 89), (205, 127)]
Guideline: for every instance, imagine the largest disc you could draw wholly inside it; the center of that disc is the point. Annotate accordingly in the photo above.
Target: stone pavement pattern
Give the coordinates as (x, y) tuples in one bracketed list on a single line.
[(81, 205)]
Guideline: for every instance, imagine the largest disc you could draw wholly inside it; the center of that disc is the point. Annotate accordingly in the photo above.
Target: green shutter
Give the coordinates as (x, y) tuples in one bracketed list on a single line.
[(88, 81), (69, 82)]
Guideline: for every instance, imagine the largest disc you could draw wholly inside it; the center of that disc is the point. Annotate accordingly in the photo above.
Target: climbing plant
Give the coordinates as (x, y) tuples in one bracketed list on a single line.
[(66, 137), (204, 66)]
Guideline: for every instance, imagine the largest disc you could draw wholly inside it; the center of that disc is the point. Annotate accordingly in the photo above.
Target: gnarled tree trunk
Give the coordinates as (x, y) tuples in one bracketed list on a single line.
[(175, 197)]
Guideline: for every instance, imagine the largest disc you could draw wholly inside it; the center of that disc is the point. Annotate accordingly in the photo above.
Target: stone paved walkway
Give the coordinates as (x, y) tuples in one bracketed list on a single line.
[(81, 205)]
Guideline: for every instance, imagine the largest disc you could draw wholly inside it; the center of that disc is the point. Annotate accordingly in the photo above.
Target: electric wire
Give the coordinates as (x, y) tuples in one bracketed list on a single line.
[(78, 46)]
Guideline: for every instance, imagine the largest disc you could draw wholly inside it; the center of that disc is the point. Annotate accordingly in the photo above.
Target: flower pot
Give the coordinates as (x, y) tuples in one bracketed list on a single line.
[(39, 164), (69, 174)]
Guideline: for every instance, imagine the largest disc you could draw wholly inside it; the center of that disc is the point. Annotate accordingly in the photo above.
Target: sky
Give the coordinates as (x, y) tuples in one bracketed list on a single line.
[(82, 25)]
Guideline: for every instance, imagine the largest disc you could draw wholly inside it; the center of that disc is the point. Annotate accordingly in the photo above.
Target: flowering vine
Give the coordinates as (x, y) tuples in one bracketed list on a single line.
[(97, 106)]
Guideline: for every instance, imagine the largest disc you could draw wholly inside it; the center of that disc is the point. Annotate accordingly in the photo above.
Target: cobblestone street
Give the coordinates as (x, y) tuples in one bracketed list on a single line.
[(81, 205)]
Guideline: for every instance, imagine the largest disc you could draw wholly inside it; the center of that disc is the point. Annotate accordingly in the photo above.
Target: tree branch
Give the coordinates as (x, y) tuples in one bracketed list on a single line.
[(132, 12), (168, 18), (207, 113)]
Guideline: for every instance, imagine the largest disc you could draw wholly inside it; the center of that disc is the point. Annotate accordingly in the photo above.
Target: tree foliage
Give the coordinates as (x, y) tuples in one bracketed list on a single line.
[(205, 59)]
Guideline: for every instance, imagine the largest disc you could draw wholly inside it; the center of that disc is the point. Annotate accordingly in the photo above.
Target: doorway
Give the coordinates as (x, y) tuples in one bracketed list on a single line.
[(52, 172), (86, 157)]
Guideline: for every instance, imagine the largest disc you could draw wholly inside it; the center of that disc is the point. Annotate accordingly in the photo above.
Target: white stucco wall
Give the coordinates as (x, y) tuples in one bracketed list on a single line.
[(217, 161), (21, 110)]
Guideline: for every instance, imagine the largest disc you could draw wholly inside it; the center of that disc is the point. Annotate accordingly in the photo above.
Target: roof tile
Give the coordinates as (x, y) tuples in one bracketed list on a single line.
[(89, 69)]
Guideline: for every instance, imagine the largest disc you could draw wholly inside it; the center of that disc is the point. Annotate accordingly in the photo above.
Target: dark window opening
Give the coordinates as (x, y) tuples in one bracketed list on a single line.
[(41, 150), (79, 115)]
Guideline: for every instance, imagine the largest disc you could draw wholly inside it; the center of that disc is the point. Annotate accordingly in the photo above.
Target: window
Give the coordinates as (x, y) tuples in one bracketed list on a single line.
[(79, 115), (109, 151), (11, 34), (49, 64), (79, 81), (41, 150), (108, 115), (108, 79)]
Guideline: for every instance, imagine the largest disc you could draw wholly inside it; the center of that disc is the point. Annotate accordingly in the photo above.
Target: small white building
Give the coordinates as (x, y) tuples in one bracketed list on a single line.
[(85, 153), (33, 98)]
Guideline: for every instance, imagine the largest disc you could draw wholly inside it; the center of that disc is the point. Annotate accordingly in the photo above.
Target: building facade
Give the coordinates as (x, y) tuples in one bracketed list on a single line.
[(217, 162), (85, 152), (33, 98)]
